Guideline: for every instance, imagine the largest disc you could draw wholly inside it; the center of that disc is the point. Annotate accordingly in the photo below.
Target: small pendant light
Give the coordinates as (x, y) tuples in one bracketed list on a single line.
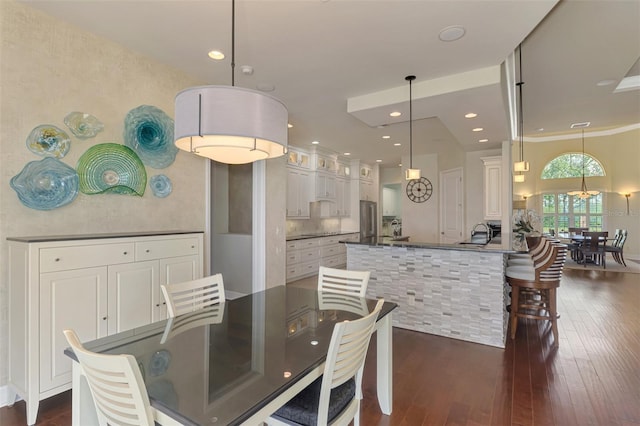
[(411, 173), (583, 193), (520, 166)]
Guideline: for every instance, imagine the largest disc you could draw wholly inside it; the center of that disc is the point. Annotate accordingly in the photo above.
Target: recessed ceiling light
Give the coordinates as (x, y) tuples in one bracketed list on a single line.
[(470, 115), (397, 144), (289, 125), (608, 82), (400, 165), (483, 140), (541, 129), (378, 161), (478, 129), (452, 33), (347, 153), (395, 114), (386, 137), (265, 87), (216, 55), (314, 342), (315, 142), (287, 374)]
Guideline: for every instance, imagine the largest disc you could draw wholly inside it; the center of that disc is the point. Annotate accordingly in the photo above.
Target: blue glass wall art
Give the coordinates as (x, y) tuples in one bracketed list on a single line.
[(49, 141), (160, 185), (46, 184), (83, 125), (149, 132), (111, 168)]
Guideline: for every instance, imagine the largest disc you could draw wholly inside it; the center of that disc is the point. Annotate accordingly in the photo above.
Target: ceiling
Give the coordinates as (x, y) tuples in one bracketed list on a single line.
[(340, 65)]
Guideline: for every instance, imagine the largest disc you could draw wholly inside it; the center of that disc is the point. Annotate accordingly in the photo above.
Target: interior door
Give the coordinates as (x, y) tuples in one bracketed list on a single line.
[(451, 206)]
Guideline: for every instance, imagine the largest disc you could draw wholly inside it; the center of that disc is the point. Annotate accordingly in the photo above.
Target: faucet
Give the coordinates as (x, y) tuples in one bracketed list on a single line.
[(486, 230)]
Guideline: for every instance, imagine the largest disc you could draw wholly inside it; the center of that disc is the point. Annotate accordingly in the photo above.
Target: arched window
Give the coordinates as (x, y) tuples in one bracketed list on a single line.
[(561, 211), (570, 166)]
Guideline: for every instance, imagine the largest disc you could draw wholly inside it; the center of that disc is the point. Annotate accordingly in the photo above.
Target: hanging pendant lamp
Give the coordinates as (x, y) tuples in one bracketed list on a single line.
[(230, 124), (520, 166), (411, 173), (583, 193)]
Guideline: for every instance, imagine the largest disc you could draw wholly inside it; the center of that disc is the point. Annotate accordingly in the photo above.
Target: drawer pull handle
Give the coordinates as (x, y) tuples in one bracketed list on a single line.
[(193, 246), (57, 259), (147, 250), (124, 253), (157, 305), (104, 318)]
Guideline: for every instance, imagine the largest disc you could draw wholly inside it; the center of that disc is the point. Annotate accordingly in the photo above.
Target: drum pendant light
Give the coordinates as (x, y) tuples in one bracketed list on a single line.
[(230, 124), (520, 166), (411, 173), (583, 193)]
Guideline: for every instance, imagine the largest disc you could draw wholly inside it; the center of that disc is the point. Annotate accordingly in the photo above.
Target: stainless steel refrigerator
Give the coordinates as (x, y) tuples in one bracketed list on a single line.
[(368, 219)]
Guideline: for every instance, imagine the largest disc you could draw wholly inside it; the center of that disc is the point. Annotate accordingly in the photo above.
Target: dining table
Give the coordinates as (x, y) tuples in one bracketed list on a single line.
[(238, 362), (578, 240)]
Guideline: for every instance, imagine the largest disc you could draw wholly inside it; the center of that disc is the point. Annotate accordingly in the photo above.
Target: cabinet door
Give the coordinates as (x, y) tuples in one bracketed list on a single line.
[(74, 299), (174, 270), (304, 197), (492, 187), (293, 188), (131, 290)]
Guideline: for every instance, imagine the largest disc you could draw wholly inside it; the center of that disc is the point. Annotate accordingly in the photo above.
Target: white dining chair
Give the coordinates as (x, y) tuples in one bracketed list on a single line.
[(179, 324), (331, 399), (117, 388), (343, 281), (190, 296)]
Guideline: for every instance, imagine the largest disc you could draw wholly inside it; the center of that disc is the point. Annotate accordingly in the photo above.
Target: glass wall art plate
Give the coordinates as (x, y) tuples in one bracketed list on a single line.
[(149, 132), (160, 185), (83, 125), (111, 168), (46, 184), (49, 141)]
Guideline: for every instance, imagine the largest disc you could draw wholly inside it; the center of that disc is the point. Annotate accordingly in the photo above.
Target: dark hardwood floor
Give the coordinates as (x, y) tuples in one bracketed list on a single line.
[(592, 378)]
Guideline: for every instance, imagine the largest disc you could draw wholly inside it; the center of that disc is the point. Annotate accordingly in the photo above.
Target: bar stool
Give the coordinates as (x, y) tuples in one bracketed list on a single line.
[(533, 288)]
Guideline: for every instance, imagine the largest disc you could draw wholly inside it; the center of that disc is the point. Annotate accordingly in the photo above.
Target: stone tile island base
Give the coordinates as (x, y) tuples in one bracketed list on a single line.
[(461, 294)]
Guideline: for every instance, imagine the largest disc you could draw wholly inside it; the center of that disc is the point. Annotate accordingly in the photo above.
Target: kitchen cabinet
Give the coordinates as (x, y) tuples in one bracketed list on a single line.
[(367, 191), (305, 256), (343, 197), (325, 186), (298, 186), (298, 158), (96, 285), (492, 184)]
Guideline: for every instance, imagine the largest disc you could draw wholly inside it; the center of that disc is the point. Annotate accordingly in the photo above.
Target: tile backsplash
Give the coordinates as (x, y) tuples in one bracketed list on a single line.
[(315, 224)]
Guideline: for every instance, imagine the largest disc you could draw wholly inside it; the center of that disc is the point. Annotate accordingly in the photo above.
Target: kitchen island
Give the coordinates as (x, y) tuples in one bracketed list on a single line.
[(452, 290)]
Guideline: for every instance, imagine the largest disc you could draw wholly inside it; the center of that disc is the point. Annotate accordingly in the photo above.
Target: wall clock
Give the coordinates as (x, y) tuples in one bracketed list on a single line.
[(419, 190)]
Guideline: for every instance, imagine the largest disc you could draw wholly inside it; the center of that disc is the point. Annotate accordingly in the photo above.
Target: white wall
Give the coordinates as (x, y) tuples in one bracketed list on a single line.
[(48, 69)]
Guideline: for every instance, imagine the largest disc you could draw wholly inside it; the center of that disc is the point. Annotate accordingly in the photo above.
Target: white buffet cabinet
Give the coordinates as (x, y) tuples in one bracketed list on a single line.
[(97, 285), (306, 255)]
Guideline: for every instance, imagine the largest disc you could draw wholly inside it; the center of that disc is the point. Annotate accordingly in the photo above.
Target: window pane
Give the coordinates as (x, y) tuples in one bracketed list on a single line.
[(548, 224), (548, 203), (595, 204), (563, 203), (563, 223), (579, 205), (580, 222)]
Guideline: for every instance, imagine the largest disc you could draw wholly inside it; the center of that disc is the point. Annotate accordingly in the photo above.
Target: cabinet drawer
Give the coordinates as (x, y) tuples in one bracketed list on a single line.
[(309, 268), (292, 245), (77, 257), (309, 242), (327, 241), (158, 249), (293, 257), (309, 254), (334, 261), (331, 250)]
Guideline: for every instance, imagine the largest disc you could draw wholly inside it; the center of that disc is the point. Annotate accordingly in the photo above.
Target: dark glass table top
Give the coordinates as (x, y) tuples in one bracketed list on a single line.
[(220, 365)]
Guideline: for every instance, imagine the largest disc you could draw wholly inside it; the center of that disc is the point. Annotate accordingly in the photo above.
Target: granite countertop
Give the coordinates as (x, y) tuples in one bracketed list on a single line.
[(48, 238), (495, 246), (318, 234)]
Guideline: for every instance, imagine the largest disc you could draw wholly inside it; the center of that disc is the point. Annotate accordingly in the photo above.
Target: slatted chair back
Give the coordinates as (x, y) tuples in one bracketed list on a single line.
[(179, 324), (190, 296), (116, 386), (577, 231), (343, 281)]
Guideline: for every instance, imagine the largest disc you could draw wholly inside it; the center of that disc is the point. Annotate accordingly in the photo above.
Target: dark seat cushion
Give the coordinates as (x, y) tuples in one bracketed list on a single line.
[(303, 408)]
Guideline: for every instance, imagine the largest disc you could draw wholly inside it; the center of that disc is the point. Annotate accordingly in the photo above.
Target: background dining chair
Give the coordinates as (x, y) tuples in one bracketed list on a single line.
[(117, 387), (343, 281), (592, 248), (190, 296), (574, 246), (331, 399), (616, 248), (179, 324)]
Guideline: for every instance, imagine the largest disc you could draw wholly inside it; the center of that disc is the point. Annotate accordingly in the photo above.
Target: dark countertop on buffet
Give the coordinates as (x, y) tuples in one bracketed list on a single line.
[(318, 234), (49, 238), (494, 246)]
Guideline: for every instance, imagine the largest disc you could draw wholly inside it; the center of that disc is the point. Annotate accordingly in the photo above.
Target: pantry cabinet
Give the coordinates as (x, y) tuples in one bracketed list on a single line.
[(298, 199), (96, 285)]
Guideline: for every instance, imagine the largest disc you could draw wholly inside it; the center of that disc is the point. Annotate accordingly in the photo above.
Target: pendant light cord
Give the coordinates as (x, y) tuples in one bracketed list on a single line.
[(520, 83), (410, 78), (233, 42)]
